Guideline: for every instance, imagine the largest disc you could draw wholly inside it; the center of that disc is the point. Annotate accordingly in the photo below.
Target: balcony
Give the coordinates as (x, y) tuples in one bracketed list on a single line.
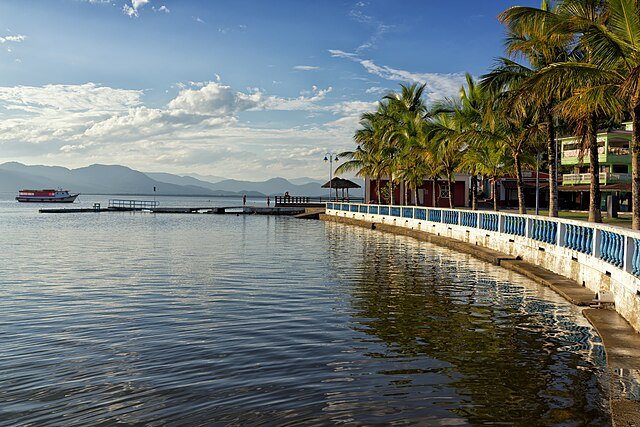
[(605, 178)]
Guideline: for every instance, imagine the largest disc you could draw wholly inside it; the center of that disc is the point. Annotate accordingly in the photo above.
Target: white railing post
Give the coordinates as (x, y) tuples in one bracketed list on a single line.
[(597, 237), (500, 222), (528, 227), (627, 260), (562, 228)]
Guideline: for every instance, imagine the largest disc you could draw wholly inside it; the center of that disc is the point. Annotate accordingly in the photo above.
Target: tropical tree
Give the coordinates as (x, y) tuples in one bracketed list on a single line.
[(533, 36), (406, 110), (488, 158), (445, 132), (584, 83)]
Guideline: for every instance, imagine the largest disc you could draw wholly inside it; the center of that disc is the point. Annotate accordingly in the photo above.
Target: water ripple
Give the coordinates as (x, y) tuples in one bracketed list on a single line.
[(224, 320)]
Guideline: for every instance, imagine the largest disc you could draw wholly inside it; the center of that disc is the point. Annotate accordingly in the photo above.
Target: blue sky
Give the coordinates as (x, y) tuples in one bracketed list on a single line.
[(242, 89)]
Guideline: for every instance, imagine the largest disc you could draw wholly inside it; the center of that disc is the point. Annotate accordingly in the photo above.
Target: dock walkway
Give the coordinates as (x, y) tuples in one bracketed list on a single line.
[(220, 210)]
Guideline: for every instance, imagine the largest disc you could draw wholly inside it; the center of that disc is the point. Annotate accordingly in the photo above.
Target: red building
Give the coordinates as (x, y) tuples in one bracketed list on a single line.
[(425, 193)]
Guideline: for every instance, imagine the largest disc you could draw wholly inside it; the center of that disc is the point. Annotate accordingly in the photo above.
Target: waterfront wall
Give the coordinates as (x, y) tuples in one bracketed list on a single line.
[(600, 257)]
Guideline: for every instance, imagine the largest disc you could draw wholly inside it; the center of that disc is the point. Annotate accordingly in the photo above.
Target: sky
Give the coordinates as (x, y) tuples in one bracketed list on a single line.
[(234, 88)]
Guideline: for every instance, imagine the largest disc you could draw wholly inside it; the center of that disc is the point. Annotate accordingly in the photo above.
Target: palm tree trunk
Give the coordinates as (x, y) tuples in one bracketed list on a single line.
[(494, 190), (391, 192), (405, 187), (635, 166), (553, 167), (379, 193), (595, 197), (450, 185), (520, 184), (415, 196), (474, 192), (434, 198)]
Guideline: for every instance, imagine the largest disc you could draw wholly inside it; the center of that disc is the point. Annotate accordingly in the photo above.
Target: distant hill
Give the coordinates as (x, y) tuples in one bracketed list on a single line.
[(101, 179), (306, 180), (116, 179), (207, 178)]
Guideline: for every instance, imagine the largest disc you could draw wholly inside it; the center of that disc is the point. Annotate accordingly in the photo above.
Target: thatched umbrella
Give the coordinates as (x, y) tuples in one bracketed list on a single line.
[(340, 184)]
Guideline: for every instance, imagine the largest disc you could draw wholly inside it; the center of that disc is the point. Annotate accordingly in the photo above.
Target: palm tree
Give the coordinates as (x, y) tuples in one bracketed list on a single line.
[(489, 159), (406, 110), (532, 35), (614, 66), (515, 128), (584, 82), (445, 132)]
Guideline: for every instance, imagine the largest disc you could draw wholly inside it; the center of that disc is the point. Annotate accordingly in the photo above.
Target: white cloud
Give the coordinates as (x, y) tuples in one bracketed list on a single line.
[(437, 85), (197, 19), (164, 9), (133, 9), (305, 67), (88, 97), (377, 90), (199, 130), (18, 38), (342, 54)]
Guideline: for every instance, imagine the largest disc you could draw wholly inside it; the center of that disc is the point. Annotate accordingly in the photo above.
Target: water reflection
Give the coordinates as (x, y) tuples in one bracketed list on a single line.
[(207, 319), (508, 351)]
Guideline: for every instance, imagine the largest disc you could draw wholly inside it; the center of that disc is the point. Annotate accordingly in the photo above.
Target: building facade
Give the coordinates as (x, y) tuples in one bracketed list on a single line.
[(424, 193), (614, 156)]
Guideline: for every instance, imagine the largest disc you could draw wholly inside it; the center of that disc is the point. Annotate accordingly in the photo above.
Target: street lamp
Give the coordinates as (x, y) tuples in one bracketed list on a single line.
[(329, 157)]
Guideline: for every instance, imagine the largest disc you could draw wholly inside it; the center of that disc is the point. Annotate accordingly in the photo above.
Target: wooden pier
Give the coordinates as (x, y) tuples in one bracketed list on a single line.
[(219, 210)]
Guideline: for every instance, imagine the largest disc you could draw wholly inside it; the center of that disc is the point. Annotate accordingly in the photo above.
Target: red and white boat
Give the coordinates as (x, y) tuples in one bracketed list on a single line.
[(46, 196)]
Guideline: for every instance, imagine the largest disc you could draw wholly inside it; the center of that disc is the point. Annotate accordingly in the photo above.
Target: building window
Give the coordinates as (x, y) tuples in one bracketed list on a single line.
[(444, 191)]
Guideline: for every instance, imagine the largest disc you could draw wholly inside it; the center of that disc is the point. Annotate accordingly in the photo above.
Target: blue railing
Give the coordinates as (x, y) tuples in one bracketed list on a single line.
[(612, 248), (544, 231), (489, 222), (515, 225), (578, 238), (581, 238), (450, 217), (469, 219)]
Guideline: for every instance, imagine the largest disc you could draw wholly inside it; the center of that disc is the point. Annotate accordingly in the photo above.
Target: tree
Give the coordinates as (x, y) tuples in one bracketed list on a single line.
[(584, 82), (532, 35)]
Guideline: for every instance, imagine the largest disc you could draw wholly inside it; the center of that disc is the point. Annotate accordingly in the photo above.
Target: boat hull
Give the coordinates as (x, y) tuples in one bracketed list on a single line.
[(40, 199)]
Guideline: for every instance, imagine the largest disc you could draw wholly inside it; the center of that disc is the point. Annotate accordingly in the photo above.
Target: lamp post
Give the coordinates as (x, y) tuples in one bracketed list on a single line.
[(329, 157)]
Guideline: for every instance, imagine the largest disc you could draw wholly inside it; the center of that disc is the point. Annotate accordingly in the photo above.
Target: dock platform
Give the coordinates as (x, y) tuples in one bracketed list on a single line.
[(219, 210)]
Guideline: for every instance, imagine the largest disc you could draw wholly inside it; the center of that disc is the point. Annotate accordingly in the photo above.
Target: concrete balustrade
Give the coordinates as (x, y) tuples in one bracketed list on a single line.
[(600, 257)]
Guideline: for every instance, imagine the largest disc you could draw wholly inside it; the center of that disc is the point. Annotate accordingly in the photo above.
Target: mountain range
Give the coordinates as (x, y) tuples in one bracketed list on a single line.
[(116, 179)]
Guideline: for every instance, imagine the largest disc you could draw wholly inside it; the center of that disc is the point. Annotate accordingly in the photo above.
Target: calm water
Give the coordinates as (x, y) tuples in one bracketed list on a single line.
[(210, 319)]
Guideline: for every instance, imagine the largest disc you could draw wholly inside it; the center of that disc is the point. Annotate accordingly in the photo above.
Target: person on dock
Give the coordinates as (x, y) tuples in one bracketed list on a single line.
[(244, 200)]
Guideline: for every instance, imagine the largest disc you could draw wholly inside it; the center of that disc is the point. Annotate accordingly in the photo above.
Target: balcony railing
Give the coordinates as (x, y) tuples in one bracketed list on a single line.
[(605, 178)]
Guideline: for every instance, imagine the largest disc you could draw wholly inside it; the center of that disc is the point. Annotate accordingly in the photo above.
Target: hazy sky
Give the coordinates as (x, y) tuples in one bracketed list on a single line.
[(241, 89)]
